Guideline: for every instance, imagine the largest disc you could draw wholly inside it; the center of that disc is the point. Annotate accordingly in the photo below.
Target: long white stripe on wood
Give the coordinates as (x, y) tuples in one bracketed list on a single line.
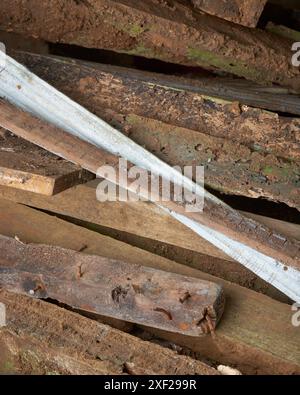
[(25, 90)]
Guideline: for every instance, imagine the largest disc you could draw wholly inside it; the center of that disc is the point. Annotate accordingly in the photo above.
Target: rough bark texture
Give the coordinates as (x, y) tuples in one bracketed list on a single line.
[(243, 12), (170, 31), (252, 144), (97, 343), (111, 288)]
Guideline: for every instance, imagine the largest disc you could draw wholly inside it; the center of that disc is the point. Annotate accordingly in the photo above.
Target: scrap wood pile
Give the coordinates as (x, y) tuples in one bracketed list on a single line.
[(91, 286)]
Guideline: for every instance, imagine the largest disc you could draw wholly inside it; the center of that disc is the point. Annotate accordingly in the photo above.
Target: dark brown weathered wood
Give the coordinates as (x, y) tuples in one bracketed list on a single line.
[(245, 325), (25, 166), (215, 215), (171, 31), (25, 355), (111, 288), (175, 101), (84, 339), (33, 226), (243, 12), (248, 163)]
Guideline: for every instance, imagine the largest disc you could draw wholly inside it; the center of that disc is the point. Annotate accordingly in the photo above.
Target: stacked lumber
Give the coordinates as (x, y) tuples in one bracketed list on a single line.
[(90, 285)]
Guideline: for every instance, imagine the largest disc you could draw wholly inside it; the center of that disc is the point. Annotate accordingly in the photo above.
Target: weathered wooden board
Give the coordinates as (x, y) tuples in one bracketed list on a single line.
[(111, 288), (243, 12), (245, 326), (32, 226), (100, 345), (229, 167), (215, 215), (171, 31), (25, 166), (175, 101), (255, 170), (284, 31), (23, 354), (143, 223)]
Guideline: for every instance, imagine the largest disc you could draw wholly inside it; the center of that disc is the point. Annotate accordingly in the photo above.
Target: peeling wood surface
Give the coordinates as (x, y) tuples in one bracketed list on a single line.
[(25, 166), (171, 31), (168, 99), (99, 344), (111, 288), (243, 12), (243, 337), (216, 215), (33, 226)]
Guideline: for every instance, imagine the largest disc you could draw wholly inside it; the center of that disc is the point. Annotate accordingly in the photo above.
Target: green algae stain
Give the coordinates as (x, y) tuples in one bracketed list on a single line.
[(135, 30), (268, 170), (207, 58), (8, 367)]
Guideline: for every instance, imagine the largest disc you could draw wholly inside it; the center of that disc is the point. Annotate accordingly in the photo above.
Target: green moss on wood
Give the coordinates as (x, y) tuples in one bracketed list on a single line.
[(207, 58)]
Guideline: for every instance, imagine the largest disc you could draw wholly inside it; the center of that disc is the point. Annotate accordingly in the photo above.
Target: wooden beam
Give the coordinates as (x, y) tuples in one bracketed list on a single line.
[(111, 288), (179, 102), (32, 226), (101, 345), (284, 31), (257, 163), (27, 167), (141, 221), (243, 12), (257, 328), (280, 252), (229, 167), (172, 32)]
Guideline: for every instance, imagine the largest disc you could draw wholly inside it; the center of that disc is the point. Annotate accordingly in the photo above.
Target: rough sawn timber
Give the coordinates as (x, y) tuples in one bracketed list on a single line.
[(173, 100), (243, 338), (33, 226), (154, 110), (25, 166), (215, 215), (171, 31), (243, 12), (111, 288), (100, 345)]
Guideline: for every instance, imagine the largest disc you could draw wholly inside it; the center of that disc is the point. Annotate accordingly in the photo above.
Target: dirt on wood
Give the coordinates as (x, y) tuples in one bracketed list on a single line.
[(112, 288), (18, 154), (97, 343), (169, 31), (243, 12), (263, 156)]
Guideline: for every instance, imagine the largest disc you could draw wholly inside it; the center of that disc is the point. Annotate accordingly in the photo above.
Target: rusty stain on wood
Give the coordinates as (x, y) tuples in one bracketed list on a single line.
[(111, 288)]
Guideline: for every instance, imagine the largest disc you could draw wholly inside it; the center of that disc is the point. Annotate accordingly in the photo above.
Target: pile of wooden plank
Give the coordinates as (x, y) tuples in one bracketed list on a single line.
[(90, 286)]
